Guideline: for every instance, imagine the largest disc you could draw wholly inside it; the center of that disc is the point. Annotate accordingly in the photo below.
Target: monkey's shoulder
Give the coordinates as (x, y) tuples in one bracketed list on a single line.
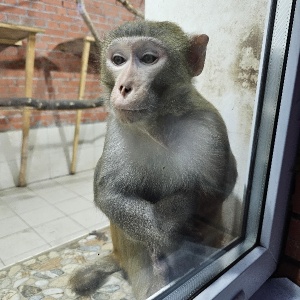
[(198, 139), (197, 127)]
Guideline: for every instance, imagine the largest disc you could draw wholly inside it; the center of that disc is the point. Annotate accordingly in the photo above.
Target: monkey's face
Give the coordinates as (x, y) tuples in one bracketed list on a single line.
[(134, 64)]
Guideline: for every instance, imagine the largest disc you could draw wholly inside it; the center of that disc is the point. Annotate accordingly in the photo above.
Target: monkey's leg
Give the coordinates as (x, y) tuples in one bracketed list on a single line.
[(135, 259), (88, 279)]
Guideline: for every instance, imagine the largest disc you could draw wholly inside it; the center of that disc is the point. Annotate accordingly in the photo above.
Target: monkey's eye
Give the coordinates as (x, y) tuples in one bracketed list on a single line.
[(149, 59), (118, 59)]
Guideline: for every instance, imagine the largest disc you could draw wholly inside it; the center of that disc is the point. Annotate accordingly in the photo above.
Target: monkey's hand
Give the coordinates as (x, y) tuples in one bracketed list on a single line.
[(155, 225), (171, 214)]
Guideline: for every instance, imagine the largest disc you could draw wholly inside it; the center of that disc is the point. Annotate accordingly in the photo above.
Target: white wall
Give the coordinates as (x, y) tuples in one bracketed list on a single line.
[(229, 78), (49, 152)]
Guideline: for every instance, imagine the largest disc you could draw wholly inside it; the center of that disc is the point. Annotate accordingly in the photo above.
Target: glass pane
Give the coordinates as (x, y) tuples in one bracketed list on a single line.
[(244, 84), (183, 174)]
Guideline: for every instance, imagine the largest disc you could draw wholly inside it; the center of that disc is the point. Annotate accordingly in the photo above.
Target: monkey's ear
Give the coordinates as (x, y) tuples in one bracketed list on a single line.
[(197, 52)]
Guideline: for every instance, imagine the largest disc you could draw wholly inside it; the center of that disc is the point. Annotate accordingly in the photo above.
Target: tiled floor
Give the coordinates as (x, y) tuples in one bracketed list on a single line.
[(46, 214)]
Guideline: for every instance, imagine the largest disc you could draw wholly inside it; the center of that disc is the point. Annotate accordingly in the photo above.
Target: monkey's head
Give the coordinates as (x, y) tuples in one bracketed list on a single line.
[(142, 61)]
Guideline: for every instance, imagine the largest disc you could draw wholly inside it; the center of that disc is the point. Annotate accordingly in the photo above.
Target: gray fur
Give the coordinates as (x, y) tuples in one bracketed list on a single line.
[(163, 170)]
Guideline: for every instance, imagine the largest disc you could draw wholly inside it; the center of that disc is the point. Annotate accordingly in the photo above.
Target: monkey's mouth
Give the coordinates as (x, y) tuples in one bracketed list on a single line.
[(131, 115)]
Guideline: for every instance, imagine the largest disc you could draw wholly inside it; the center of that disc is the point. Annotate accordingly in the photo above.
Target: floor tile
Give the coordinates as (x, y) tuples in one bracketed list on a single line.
[(11, 225), (8, 171), (73, 205), (46, 214), (11, 139), (16, 193), (86, 157), (26, 254), (38, 160), (58, 229), (24, 204), (91, 217), (85, 175), (5, 211), (68, 238), (68, 179), (82, 189), (41, 215), (53, 192), (19, 243), (60, 161), (40, 186), (89, 197)]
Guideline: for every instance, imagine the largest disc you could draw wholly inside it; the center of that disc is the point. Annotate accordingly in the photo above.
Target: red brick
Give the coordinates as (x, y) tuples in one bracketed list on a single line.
[(40, 23), (13, 19), (57, 74), (50, 10), (69, 4), (37, 5), (52, 2), (10, 2)]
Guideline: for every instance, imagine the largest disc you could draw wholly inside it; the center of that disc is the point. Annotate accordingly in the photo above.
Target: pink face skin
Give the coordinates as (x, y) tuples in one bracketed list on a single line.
[(134, 62)]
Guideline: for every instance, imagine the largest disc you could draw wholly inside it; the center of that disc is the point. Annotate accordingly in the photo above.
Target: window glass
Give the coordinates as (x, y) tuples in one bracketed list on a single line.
[(183, 174), (242, 77)]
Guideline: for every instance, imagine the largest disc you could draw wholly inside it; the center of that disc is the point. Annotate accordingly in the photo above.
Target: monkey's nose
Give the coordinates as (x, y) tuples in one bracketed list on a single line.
[(124, 90)]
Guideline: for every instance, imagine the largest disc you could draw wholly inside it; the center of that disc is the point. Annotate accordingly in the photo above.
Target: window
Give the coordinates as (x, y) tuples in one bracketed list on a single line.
[(252, 77), (244, 264)]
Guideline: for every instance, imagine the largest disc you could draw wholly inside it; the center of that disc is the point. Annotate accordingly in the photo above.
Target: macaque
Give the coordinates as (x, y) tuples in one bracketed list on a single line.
[(167, 164)]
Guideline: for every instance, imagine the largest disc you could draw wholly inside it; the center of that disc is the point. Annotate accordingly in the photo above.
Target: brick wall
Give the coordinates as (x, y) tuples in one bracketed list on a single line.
[(57, 66), (290, 262)]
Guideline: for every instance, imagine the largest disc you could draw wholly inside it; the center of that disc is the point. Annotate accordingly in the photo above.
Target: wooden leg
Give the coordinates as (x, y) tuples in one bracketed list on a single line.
[(29, 70), (75, 142), (84, 66)]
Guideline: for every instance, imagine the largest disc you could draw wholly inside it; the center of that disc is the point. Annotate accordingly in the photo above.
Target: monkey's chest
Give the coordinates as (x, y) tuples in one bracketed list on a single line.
[(143, 166), (153, 174)]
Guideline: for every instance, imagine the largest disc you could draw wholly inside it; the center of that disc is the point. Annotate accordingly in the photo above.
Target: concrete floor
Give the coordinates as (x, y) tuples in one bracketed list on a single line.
[(46, 214)]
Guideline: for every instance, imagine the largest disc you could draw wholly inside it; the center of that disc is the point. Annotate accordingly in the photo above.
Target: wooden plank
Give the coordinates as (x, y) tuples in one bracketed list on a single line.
[(83, 73), (17, 32), (76, 46), (16, 27), (10, 42), (29, 70)]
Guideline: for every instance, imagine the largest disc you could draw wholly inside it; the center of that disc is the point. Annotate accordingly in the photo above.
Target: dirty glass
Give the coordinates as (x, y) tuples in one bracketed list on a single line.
[(242, 77), (183, 194)]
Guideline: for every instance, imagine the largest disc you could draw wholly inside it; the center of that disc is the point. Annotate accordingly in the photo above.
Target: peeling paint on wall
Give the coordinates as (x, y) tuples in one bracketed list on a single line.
[(245, 71)]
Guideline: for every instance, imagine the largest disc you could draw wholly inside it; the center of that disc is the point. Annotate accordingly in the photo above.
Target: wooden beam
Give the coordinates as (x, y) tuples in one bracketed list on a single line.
[(83, 73), (16, 28), (29, 70), (39, 104), (10, 42)]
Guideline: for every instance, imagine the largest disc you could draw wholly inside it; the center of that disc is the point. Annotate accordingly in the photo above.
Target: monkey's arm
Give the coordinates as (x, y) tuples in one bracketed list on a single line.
[(155, 225)]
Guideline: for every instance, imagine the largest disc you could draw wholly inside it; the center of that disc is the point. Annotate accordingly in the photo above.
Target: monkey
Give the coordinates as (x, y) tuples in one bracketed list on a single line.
[(167, 165)]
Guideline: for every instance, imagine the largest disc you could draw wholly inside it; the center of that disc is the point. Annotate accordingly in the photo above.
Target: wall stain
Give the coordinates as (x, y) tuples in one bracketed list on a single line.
[(246, 66)]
